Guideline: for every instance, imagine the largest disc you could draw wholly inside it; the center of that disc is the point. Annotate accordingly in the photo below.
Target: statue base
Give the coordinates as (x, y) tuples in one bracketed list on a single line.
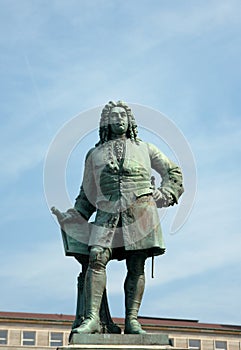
[(118, 341)]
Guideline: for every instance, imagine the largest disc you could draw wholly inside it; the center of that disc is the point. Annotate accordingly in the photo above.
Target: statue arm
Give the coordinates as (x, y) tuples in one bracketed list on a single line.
[(85, 201), (70, 216), (171, 187), (83, 205)]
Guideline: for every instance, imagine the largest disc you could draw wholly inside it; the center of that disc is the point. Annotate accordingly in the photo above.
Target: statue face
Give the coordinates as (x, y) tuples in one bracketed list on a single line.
[(118, 121)]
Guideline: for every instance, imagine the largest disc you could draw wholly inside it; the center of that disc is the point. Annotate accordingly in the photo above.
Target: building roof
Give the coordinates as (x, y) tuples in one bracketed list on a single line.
[(147, 321), (35, 316)]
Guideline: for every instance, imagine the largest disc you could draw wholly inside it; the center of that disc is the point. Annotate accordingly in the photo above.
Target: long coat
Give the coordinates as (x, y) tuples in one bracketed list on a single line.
[(120, 191)]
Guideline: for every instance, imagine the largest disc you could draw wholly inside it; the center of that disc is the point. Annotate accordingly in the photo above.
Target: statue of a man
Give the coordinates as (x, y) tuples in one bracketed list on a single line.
[(117, 186)]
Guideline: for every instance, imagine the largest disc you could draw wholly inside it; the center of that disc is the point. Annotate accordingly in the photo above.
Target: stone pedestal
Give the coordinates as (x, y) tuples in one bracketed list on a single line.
[(118, 341)]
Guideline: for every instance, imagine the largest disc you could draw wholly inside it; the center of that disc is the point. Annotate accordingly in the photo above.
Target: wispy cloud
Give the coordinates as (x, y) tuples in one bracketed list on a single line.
[(43, 272), (199, 298)]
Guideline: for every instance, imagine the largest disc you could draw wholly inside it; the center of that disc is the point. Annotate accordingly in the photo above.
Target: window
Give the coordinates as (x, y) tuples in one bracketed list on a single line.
[(56, 339), (3, 336), (220, 345), (194, 343), (28, 338)]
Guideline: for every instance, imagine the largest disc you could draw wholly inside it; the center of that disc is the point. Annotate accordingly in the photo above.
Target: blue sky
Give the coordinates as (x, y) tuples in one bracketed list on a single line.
[(59, 58)]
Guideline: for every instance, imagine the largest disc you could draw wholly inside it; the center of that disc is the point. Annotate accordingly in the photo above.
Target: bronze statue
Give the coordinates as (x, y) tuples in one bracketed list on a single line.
[(118, 186)]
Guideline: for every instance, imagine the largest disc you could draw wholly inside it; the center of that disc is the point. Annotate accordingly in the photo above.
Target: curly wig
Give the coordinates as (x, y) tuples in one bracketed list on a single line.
[(104, 129)]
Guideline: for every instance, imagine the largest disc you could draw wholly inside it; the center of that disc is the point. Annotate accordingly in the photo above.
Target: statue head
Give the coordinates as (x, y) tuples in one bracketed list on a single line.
[(106, 130)]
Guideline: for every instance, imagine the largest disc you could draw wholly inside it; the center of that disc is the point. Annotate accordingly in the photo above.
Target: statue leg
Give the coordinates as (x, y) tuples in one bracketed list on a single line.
[(108, 326), (134, 289), (94, 286)]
